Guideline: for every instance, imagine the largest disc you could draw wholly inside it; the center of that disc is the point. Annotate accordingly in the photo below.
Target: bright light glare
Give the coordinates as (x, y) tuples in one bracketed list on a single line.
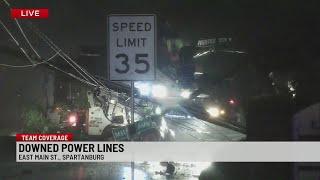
[(173, 134), (231, 101), (222, 112), (112, 101), (213, 111), (198, 73), (144, 88), (162, 134), (159, 91), (72, 119), (163, 128), (185, 94), (158, 110), (163, 125), (201, 54)]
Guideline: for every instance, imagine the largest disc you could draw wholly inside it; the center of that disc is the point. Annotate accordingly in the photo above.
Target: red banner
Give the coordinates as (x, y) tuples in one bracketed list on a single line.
[(30, 13), (44, 137)]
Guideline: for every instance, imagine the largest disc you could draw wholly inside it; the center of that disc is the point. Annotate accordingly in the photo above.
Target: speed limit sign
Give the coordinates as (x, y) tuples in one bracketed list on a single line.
[(131, 47)]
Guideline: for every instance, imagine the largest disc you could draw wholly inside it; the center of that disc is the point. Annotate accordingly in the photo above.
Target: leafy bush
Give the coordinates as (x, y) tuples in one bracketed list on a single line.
[(35, 122)]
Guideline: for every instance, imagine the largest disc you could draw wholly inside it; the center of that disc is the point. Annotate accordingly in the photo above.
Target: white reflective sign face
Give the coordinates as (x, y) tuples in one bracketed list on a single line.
[(131, 47)]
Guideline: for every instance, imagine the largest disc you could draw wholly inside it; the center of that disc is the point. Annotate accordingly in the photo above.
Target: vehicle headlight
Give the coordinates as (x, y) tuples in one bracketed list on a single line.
[(159, 91), (72, 119), (158, 110), (185, 94), (213, 111)]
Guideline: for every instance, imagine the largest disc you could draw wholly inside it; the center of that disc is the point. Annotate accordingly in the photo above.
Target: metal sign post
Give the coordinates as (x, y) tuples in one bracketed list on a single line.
[(132, 121), (132, 101)]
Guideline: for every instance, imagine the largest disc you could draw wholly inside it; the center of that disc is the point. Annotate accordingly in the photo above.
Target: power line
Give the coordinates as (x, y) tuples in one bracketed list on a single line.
[(57, 53), (56, 49), (17, 43), (65, 56), (22, 32), (62, 56), (72, 75), (26, 38), (4, 26), (24, 52), (29, 65), (6, 3), (82, 69), (54, 46)]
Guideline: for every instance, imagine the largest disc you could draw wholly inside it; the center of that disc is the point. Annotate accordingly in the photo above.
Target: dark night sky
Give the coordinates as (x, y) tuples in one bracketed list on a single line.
[(280, 31)]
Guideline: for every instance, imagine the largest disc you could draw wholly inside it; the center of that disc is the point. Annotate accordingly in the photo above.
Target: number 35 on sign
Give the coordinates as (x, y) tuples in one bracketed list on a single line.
[(132, 47)]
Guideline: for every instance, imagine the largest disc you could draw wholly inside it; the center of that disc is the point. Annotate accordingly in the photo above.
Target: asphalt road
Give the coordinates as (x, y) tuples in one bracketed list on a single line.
[(193, 129)]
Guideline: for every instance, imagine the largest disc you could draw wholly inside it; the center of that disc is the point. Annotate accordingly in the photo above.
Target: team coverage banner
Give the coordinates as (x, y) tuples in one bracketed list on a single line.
[(61, 148)]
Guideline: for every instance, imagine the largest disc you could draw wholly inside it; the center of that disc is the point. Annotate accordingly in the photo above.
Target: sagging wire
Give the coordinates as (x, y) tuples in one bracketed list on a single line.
[(26, 38), (65, 56), (72, 75), (32, 65), (59, 52), (16, 42), (54, 47)]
